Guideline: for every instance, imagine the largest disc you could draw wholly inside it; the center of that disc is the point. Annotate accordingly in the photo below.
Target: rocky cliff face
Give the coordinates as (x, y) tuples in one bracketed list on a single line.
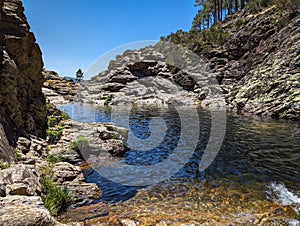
[(22, 104), (58, 90), (258, 65)]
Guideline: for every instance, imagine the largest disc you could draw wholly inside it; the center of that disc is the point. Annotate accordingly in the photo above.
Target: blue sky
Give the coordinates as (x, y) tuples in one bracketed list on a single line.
[(74, 33)]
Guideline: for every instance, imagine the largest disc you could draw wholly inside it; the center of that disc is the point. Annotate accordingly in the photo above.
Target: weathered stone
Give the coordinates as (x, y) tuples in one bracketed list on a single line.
[(24, 145), (142, 65), (32, 201), (22, 104), (127, 222), (144, 78), (19, 215), (64, 171), (122, 78), (105, 134), (113, 87), (20, 180), (58, 90), (258, 64), (184, 80), (7, 153), (115, 147), (31, 149), (82, 192)]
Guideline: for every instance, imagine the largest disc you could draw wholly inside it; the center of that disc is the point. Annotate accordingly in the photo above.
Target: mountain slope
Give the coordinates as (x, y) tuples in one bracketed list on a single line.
[(256, 58)]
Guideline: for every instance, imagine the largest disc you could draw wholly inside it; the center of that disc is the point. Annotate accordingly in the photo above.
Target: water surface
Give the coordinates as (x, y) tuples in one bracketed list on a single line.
[(258, 155)]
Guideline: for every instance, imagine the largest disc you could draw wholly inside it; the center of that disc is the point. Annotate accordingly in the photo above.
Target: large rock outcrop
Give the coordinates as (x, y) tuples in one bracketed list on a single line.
[(258, 65), (22, 104), (58, 90), (155, 75), (24, 210), (255, 56)]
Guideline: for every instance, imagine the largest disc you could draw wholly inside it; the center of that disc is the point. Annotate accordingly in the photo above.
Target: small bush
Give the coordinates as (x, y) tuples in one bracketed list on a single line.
[(290, 5), (54, 197), (53, 121), (215, 35), (54, 134), (90, 101), (19, 154), (57, 120), (65, 116), (282, 22), (3, 165), (108, 99), (53, 158), (241, 22), (79, 143)]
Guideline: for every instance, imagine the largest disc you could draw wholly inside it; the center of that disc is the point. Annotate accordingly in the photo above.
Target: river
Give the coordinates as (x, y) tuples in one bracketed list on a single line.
[(259, 158)]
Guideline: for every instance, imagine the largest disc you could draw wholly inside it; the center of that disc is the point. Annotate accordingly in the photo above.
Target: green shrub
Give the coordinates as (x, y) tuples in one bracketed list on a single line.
[(215, 35), (54, 197), (241, 22), (54, 134), (108, 99), (290, 5), (90, 101), (65, 116), (53, 121), (3, 165), (53, 158), (56, 120), (19, 154), (282, 22), (49, 106), (79, 143)]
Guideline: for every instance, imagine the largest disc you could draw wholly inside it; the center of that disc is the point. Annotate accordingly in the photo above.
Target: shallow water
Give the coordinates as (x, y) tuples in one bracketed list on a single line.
[(259, 156)]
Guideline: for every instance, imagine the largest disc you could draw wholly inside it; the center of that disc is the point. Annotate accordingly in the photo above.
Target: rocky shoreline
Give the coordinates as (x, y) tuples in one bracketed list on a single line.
[(20, 183)]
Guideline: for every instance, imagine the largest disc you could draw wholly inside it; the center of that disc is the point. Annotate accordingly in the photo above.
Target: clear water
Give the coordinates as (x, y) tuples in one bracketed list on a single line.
[(260, 153)]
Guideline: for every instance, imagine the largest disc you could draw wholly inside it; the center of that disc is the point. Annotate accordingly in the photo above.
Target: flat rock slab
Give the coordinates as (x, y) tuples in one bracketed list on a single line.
[(20, 215)]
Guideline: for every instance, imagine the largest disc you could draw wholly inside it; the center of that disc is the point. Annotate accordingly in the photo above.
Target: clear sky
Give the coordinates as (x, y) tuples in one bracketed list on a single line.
[(74, 33)]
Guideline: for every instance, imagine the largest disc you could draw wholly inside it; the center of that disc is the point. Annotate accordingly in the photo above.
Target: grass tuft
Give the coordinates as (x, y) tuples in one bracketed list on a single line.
[(53, 158), (55, 197), (79, 143), (4, 165)]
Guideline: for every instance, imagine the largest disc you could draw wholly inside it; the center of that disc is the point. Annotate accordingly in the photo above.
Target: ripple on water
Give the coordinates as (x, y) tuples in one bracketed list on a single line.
[(255, 153)]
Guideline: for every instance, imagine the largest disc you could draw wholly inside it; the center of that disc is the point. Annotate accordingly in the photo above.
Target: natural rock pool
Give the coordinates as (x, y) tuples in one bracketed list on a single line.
[(256, 169)]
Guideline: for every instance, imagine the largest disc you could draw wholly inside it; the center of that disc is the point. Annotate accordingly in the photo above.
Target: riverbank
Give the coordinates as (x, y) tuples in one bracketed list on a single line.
[(48, 173)]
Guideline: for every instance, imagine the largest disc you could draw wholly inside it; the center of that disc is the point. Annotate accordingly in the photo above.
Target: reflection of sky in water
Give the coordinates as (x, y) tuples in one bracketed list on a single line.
[(255, 150), (86, 112)]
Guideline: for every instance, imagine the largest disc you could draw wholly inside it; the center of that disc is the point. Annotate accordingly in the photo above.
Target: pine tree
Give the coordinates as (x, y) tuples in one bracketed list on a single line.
[(79, 75)]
